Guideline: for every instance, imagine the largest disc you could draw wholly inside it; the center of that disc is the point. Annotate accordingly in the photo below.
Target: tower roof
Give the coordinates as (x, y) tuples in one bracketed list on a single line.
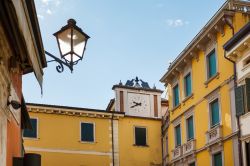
[(136, 84)]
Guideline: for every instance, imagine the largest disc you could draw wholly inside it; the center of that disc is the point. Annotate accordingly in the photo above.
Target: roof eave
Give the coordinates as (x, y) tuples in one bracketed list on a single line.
[(216, 19)]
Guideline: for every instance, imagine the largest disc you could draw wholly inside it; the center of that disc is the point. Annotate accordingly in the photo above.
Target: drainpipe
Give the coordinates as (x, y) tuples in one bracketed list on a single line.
[(235, 85), (238, 119), (112, 130), (162, 136)]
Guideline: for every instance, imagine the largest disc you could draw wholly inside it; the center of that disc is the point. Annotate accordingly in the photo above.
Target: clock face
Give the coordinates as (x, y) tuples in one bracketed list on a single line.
[(138, 104)]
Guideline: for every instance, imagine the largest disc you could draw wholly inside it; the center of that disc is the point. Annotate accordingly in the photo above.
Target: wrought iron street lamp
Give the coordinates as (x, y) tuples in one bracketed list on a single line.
[(72, 42)]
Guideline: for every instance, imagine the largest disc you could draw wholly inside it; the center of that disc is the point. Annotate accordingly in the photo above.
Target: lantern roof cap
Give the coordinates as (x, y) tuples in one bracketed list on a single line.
[(71, 24)]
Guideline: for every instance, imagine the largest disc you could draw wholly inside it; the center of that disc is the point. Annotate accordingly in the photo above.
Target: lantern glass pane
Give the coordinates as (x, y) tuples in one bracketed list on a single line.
[(68, 58), (74, 58), (64, 39), (79, 41)]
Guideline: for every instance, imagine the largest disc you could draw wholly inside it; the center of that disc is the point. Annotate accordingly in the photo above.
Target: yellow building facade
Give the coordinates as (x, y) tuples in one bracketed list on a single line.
[(128, 132), (201, 122)]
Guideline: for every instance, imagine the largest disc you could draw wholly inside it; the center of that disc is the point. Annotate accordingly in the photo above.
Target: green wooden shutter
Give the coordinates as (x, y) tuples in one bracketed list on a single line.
[(31, 133), (87, 132), (218, 159), (239, 100), (176, 95), (188, 86), (178, 135), (192, 164), (248, 93), (190, 124), (212, 69), (215, 112), (140, 136)]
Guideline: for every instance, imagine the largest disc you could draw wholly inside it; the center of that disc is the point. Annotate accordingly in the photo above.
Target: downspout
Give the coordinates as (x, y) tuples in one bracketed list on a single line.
[(112, 130), (235, 85), (162, 136)]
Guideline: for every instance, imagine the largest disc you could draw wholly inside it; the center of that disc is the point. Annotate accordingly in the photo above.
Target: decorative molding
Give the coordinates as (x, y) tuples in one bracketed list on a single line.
[(236, 53), (228, 20), (219, 29), (212, 37), (246, 44), (201, 47), (105, 115), (194, 55), (67, 151), (179, 70)]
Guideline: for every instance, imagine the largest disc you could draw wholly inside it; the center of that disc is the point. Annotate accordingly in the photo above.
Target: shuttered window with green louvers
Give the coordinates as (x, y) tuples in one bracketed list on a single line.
[(239, 100), (248, 93)]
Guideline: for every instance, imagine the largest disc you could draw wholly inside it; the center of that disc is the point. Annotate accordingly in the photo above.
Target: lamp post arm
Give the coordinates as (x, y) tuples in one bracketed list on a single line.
[(59, 67)]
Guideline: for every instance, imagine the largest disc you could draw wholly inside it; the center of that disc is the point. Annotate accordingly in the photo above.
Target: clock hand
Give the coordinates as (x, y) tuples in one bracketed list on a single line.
[(136, 104)]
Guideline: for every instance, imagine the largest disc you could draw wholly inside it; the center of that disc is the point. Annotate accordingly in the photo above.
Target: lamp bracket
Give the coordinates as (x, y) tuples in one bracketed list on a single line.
[(61, 64)]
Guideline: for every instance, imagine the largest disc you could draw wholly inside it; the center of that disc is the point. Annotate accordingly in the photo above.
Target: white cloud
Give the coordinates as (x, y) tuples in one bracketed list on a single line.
[(47, 7), (49, 12), (57, 2), (51, 2), (45, 2), (176, 22)]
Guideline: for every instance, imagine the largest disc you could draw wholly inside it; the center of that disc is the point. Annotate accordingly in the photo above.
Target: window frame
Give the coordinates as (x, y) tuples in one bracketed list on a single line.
[(144, 127), (174, 104), (189, 164), (184, 83), (208, 54), (210, 112), (187, 131), (187, 115), (214, 153), (94, 139), (175, 135), (37, 130)]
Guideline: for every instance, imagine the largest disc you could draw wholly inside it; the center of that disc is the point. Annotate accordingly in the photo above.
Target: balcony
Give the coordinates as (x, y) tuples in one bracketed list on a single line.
[(214, 134), (189, 147), (177, 152)]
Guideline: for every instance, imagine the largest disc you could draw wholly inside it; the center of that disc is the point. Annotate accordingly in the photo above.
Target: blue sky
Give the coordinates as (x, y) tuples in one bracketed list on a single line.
[(129, 38)]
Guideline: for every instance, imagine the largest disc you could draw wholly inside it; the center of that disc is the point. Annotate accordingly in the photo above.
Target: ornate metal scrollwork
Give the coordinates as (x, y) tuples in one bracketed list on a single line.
[(60, 66)]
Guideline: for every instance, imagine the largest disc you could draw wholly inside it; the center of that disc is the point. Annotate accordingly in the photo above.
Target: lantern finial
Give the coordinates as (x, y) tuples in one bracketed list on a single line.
[(71, 22)]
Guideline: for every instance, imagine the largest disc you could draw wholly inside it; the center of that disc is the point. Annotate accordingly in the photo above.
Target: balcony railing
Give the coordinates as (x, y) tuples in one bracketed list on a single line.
[(177, 152), (189, 147), (214, 134)]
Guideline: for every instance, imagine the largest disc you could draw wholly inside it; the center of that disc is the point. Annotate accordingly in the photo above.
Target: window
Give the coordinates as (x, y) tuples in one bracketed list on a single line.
[(140, 136), (178, 135), (191, 164), (187, 85), (214, 113), (246, 61), (217, 159), (211, 64), (31, 133), (176, 95), (87, 132), (190, 128)]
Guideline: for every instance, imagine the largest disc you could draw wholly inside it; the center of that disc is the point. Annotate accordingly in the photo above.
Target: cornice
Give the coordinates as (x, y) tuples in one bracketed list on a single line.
[(208, 33), (72, 111), (136, 88)]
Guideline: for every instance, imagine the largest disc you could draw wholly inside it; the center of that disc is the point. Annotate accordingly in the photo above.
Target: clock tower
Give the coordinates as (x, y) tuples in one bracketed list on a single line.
[(136, 98)]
